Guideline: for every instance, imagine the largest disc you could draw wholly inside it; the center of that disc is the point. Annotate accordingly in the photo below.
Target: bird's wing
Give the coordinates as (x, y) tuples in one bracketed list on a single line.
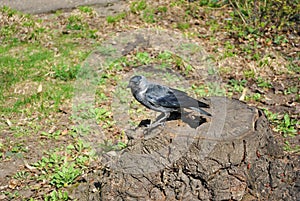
[(163, 96), (159, 95)]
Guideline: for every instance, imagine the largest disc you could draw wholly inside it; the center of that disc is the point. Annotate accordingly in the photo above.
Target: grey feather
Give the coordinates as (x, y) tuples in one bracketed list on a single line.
[(162, 98)]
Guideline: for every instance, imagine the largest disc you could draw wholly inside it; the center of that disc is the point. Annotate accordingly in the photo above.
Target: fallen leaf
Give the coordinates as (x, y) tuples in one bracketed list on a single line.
[(8, 122), (29, 166), (40, 89), (13, 183), (2, 197), (52, 130), (64, 132), (243, 94)]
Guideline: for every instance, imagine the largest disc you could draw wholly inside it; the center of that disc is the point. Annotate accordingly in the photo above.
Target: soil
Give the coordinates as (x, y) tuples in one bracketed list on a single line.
[(90, 186)]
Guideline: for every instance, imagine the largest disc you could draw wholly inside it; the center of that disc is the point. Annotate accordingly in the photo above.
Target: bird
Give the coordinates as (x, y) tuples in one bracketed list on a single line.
[(163, 99)]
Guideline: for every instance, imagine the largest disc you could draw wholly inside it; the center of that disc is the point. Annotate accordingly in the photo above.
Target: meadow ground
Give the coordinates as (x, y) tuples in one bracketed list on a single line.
[(256, 52)]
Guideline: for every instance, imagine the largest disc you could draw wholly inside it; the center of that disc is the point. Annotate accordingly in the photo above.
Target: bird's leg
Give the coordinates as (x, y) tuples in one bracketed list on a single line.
[(160, 120)]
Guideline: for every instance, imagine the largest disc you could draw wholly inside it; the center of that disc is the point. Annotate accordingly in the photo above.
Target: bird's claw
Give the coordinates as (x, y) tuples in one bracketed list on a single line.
[(150, 127)]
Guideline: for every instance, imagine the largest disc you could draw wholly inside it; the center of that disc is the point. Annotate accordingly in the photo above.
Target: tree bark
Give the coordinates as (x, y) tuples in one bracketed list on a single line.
[(232, 156)]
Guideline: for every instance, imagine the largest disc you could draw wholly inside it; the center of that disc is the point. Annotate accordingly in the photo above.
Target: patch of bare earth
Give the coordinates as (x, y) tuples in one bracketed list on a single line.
[(273, 98)]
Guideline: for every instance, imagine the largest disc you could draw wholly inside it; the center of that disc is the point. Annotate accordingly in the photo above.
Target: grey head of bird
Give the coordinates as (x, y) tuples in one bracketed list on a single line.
[(138, 83)]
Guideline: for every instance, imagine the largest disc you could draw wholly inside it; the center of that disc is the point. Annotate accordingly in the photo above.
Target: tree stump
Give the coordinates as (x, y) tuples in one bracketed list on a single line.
[(231, 157)]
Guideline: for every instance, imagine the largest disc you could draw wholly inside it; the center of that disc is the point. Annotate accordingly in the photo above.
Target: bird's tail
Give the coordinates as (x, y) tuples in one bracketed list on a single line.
[(197, 109)]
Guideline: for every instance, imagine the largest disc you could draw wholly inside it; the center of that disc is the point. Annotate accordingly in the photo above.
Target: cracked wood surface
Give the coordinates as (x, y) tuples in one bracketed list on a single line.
[(242, 162)]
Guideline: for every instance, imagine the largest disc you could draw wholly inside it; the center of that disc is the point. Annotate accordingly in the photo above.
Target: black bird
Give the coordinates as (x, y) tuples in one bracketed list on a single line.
[(162, 98)]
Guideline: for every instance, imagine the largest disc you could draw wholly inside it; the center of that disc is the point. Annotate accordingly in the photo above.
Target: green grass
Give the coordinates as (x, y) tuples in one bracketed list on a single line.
[(34, 63), (56, 196), (209, 89), (149, 15), (116, 18), (27, 63), (55, 135), (65, 72), (143, 58), (230, 49), (260, 15), (40, 60), (183, 25), (36, 79), (261, 82), (13, 149), (21, 175), (291, 90), (104, 117), (65, 176), (285, 125), (62, 169), (86, 9), (253, 97), (138, 6), (290, 148), (210, 3), (236, 85), (249, 74)]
